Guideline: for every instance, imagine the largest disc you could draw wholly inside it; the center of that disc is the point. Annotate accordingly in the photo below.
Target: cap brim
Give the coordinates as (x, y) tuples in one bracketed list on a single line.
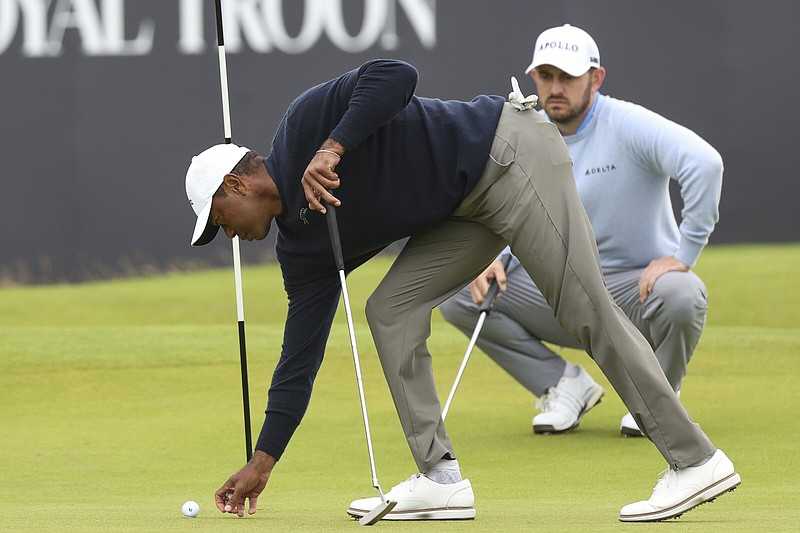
[(204, 230), (575, 70)]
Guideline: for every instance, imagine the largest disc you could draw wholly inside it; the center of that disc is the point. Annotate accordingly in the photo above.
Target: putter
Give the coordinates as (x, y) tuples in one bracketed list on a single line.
[(386, 505), (484, 309), (237, 263)]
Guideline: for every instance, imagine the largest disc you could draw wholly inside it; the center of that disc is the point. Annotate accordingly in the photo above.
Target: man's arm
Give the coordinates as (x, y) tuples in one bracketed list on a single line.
[(699, 173), (370, 97), (379, 91), (676, 151), (672, 150), (312, 306)]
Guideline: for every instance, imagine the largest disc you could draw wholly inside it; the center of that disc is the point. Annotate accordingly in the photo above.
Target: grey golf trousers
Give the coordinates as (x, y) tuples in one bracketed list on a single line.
[(526, 197)]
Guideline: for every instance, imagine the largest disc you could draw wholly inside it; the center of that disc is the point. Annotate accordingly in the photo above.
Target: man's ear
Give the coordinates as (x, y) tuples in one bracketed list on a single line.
[(598, 76), (234, 184)]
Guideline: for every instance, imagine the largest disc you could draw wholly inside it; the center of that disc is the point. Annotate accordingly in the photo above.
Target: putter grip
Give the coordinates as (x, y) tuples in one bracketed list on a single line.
[(494, 288), (333, 231)]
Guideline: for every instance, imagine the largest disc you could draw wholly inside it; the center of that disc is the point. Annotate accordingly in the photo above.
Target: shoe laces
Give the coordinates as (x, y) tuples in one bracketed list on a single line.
[(668, 479), (550, 400), (555, 398), (543, 404), (411, 482)]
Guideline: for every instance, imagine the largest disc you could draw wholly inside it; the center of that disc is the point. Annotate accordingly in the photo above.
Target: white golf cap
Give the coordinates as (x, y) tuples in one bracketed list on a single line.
[(565, 47), (203, 178)]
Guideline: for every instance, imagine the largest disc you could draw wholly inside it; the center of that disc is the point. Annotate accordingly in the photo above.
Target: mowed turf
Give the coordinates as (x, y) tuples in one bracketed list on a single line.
[(121, 400)]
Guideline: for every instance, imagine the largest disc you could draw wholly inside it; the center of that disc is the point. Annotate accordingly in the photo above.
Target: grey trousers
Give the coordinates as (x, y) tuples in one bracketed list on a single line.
[(671, 319), (526, 197)]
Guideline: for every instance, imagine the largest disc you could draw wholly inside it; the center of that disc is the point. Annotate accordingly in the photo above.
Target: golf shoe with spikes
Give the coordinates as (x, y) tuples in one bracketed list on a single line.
[(421, 498), (564, 405), (684, 489)]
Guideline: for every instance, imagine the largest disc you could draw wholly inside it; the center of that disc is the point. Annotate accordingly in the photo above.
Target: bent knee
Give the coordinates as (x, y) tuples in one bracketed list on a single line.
[(681, 297), (374, 310)]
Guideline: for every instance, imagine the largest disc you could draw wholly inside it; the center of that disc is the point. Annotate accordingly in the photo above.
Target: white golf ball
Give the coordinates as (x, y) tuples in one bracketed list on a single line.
[(190, 509)]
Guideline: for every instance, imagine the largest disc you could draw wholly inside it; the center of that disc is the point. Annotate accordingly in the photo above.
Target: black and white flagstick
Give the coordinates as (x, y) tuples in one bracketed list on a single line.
[(237, 263)]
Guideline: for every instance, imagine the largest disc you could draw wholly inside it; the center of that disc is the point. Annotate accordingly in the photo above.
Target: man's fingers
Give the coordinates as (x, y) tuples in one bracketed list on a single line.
[(646, 282), (316, 201), (330, 198), (316, 193), (478, 289), (502, 283), (222, 496), (328, 180), (253, 505), (322, 179), (235, 502), (314, 204), (221, 502), (313, 196)]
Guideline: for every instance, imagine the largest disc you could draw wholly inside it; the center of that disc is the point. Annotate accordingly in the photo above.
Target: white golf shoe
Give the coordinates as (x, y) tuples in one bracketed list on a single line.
[(421, 498), (564, 405), (629, 428), (684, 489)]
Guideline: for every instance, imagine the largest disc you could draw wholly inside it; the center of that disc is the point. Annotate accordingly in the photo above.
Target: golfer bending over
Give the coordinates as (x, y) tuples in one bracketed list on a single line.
[(462, 180)]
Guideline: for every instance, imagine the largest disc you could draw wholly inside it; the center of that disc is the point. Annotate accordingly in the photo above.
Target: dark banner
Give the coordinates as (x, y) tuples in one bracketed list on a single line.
[(103, 103)]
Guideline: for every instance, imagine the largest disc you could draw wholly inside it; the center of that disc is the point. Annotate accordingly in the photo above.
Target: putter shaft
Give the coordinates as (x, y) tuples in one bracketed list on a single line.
[(386, 505), (484, 309)]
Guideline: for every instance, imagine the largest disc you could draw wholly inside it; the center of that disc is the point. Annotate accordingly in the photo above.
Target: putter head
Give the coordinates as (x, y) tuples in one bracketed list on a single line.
[(377, 513)]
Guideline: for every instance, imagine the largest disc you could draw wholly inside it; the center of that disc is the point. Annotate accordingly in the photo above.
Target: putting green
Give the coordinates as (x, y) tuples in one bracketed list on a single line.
[(121, 400)]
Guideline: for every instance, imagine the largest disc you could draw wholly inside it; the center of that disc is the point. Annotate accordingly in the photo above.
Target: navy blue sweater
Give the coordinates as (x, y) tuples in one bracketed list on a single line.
[(409, 163)]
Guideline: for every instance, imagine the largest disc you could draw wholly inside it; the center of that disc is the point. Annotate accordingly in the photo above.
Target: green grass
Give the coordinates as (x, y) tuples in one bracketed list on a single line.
[(121, 400)]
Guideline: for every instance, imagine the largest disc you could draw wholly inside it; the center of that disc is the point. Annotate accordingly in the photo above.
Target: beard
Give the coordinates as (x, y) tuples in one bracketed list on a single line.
[(568, 115)]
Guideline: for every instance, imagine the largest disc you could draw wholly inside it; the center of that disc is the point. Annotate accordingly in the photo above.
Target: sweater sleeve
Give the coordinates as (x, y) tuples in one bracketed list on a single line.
[(312, 306), (379, 90), (701, 186), (674, 150)]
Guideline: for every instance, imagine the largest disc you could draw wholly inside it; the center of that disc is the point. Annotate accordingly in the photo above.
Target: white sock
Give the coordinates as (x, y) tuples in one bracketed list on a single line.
[(445, 472), (571, 371)]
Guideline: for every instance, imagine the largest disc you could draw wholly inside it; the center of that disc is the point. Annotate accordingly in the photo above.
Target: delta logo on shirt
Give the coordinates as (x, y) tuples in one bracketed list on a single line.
[(592, 171)]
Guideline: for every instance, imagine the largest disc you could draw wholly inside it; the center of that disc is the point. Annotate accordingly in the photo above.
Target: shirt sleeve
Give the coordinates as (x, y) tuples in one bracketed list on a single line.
[(312, 306), (674, 150), (375, 93)]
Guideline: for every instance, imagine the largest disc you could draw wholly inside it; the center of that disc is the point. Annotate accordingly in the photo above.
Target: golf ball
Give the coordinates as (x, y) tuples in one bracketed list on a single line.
[(190, 509)]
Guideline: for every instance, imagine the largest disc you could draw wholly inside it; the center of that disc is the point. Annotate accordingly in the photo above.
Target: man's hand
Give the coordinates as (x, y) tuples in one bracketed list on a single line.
[(480, 286), (247, 483), (656, 269), (319, 177)]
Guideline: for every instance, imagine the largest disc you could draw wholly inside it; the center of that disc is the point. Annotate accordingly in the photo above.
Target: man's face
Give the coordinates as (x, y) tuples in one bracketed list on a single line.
[(565, 98), (240, 214)]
